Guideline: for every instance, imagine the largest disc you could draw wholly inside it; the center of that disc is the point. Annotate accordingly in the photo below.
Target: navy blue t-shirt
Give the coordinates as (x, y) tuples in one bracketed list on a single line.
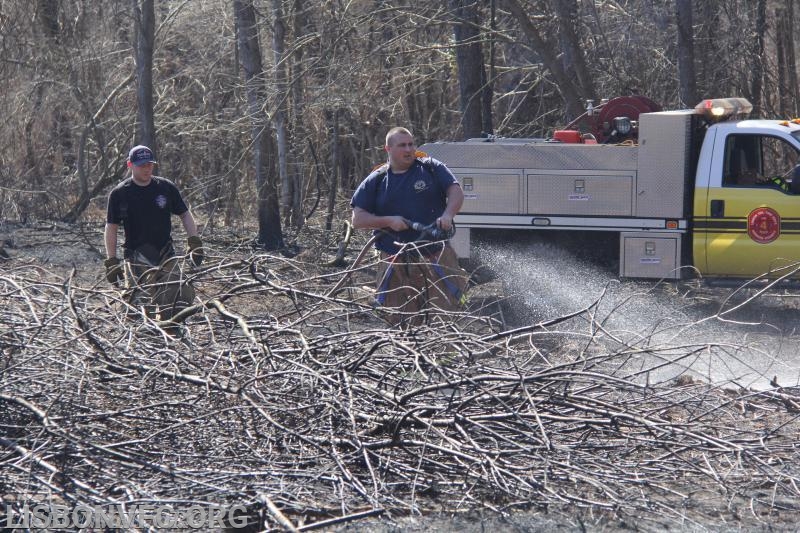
[(145, 212), (416, 194)]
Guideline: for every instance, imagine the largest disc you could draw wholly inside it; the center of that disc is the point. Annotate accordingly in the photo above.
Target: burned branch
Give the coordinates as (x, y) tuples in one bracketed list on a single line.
[(307, 409)]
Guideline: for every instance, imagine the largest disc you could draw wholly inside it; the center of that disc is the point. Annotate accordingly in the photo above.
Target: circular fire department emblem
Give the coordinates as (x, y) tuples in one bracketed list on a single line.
[(763, 225)]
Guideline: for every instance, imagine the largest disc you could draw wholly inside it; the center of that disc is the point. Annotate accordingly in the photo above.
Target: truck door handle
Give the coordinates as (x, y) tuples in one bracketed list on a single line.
[(717, 208)]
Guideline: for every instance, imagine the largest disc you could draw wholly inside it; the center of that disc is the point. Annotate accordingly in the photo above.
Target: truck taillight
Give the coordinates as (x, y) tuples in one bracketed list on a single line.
[(717, 109)]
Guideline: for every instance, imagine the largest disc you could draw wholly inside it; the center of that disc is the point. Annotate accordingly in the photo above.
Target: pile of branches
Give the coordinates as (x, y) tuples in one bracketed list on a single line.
[(306, 408)]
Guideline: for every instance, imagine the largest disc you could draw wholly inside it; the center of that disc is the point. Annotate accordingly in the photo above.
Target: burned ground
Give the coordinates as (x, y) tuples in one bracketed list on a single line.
[(309, 410)]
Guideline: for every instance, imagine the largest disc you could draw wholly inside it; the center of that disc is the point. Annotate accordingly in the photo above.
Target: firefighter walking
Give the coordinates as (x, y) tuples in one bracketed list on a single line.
[(143, 204)]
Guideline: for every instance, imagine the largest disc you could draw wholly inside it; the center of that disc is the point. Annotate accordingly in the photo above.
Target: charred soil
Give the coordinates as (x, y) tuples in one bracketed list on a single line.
[(310, 411)]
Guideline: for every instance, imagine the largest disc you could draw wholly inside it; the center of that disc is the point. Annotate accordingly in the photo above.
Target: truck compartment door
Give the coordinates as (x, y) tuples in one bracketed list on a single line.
[(497, 193), (580, 193), (649, 255)]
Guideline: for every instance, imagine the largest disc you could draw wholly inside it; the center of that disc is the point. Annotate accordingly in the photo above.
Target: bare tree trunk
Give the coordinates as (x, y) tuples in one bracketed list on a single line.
[(574, 60), (781, 29), (32, 161), (298, 127), (333, 177), (269, 220), (488, 85), (791, 62), (469, 58), (47, 19), (787, 68), (566, 87), (705, 35), (757, 81), (686, 73), (144, 24), (281, 97)]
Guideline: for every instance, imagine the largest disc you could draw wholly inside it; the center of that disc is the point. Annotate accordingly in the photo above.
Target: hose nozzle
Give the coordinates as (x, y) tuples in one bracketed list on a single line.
[(432, 231)]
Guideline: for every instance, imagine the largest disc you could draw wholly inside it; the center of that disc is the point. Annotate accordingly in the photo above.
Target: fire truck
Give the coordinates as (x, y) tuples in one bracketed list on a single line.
[(703, 191)]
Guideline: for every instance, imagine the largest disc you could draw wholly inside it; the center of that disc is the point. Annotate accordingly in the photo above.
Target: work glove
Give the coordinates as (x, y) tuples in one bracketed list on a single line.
[(114, 272), (196, 249)]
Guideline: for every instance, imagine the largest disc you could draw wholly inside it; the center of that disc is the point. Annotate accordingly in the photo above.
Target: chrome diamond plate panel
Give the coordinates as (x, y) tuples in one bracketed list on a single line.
[(545, 156), (664, 153)]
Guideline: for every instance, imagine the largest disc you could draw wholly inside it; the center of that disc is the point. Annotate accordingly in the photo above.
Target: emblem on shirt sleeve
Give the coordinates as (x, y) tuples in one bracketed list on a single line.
[(161, 201), (420, 185)]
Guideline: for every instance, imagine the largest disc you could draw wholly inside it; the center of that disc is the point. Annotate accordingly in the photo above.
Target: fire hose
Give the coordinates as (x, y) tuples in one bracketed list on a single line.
[(427, 233)]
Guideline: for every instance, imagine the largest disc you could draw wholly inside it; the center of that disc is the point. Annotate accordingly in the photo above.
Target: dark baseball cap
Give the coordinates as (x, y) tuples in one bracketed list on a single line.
[(139, 155)]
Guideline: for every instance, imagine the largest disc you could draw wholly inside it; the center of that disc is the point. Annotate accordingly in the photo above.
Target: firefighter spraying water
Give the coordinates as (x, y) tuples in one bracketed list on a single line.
[(418, 277)]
